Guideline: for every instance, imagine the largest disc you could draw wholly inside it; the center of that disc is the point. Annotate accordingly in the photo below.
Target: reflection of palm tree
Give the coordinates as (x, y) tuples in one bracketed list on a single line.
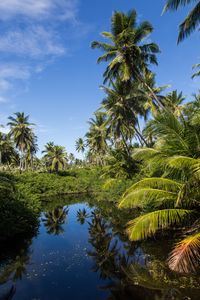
[(16, 269), (105, 251), (81, 216), (54, 219), (9, 294)]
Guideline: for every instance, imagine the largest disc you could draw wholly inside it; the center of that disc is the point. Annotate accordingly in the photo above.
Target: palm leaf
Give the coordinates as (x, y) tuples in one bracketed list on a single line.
[(157, 183), (147, 225), (174, 4), (186, 255), (147, 196), (190, 23)]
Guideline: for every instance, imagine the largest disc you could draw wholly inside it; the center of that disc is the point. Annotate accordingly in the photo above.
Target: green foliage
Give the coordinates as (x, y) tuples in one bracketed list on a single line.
[(16, 217), (147, 225), (191, 22)]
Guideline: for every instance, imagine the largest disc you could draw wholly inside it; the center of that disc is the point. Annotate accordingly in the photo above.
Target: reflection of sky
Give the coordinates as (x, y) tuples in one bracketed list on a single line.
[(59, 267)]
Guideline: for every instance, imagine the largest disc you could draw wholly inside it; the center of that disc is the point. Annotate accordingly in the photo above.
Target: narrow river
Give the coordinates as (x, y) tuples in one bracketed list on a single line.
[(80, 252)]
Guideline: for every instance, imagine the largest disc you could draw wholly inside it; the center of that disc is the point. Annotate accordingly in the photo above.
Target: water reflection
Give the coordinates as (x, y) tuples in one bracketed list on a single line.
[(82, 215), (14, 271), (105, 251), (54, 219), (122, 270)]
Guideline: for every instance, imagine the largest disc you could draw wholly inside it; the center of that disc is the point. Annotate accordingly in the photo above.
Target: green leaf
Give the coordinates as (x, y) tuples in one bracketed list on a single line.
[(147, 225)]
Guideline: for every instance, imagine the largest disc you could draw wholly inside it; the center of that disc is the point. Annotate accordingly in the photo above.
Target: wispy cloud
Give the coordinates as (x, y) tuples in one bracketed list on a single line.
[(31, 36), (10, 73), (34, 41), (62, 9)]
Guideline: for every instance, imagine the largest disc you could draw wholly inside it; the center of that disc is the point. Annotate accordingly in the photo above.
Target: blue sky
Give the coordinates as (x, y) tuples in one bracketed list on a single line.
[(48, 70)]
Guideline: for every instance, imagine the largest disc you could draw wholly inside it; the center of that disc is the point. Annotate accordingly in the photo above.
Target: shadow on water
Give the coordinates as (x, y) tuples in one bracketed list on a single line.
[(81, 252)]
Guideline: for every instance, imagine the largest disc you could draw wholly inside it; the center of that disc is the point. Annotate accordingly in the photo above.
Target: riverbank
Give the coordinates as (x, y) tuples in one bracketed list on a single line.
[(23, 195)]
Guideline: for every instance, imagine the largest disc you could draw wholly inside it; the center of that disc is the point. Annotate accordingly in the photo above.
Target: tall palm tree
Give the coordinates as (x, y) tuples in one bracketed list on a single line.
[(173, 101), (71, 158), (8, 153), (123, 105), (48, 147), (128, 55), (80, 145), (32, 149), (192, 20), (21, 132), (97, 136), (56, 158)]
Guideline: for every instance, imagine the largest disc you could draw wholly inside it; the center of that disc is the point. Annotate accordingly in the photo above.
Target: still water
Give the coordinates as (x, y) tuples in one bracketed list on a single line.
[(80, 252)]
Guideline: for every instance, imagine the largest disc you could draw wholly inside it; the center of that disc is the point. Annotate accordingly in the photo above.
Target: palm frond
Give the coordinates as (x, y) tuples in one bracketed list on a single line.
[(185, 256), (140, 198), (175, 4), (155, 183), (147, 225), (190, 23), (182, 162)]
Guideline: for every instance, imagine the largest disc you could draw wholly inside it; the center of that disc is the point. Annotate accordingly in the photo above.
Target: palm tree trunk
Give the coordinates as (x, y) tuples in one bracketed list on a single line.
[(154, 96), (141, 136), (125, 144)]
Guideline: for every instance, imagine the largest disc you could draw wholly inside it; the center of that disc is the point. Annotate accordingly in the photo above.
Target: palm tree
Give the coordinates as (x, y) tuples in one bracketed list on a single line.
[(128, 56), (123, 105), (71, 158), (8, 153), (173, 198), (56, 158), (173, 101), (21, 132), (32, 149), (97, 136), (80, 145), (48, 147), (192, 20)]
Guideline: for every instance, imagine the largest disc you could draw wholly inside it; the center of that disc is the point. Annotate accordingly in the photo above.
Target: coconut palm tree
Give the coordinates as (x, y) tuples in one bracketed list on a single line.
[(8, 154), (80, 145), (172, 199), (123, 105), (192, 20), (48, 147), (22, 134), (128, 55), (97, 136), (71, 158), (173, 101), (56, 158)]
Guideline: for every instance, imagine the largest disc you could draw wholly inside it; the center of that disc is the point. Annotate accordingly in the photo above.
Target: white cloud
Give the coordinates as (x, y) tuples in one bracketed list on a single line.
[(3, 99), (14, 71), (33, 33), (10, 73), (64, 9), (34, 41)]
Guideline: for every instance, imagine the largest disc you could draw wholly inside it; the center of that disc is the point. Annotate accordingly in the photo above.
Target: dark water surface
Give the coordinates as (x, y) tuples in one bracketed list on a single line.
[(81, 253)]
